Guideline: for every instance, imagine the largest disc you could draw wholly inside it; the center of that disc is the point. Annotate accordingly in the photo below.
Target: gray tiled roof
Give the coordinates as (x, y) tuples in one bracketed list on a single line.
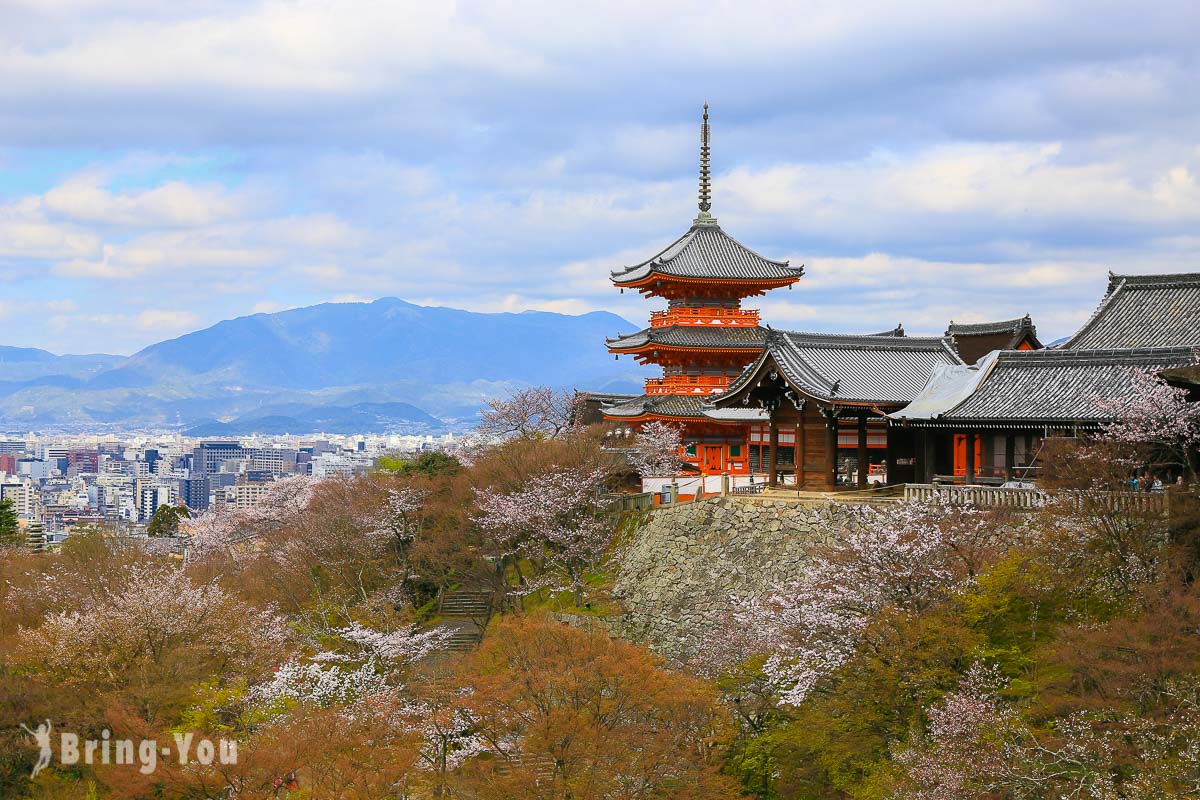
[(693, 336), (1038, 385), (986, 328), (887, 370), (1144, 311), (738, 414), (667, 405), (706, 251)]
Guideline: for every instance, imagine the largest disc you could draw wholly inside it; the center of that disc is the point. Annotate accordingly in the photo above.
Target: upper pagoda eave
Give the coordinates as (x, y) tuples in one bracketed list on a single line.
[(707, 254)]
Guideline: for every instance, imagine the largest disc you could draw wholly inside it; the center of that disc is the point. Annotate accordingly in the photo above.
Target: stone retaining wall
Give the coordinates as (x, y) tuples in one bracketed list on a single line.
[(685, 568)]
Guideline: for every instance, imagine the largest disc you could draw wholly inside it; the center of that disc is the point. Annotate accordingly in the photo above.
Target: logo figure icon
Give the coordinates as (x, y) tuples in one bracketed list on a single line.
[(42, 736)]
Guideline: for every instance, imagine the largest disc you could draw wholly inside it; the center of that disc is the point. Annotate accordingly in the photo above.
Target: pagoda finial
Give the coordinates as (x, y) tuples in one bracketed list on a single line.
[(705, 177)]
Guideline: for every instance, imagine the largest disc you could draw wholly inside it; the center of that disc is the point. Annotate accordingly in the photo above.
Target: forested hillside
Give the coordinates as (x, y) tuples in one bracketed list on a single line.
[(404, 635)]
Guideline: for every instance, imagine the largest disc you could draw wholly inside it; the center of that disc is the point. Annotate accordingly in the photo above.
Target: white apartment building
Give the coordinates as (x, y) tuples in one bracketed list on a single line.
[(26, 498), (152, 497)]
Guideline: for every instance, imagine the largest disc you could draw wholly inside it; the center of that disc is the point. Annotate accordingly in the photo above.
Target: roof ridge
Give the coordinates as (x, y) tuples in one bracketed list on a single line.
[(1106, 355), (871, 339), (1156, 278), (1000, 326)]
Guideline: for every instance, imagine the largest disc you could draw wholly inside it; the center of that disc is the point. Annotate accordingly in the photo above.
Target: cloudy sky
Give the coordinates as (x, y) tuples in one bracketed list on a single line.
[(164, 166)]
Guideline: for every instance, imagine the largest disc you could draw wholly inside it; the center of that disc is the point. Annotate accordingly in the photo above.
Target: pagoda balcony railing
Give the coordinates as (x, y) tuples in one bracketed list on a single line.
[(687, 384), (710, 316)]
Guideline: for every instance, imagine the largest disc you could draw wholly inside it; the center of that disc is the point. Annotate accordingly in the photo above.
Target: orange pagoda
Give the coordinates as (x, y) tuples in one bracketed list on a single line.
[(704, 339)]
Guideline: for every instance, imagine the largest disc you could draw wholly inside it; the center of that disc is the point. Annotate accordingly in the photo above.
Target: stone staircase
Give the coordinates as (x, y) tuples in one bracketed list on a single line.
[(465, 613), (466, 603)]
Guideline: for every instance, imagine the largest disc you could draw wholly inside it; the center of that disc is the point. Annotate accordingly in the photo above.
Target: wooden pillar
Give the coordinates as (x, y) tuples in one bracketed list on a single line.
[(1010, 456), (862, 451), (928, 454), (888, 461), (773, 461), (800, 453), (970, 457), (831, 448)]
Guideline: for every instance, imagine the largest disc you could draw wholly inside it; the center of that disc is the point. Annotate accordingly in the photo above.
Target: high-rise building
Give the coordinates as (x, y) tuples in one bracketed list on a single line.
[(209, 456), (153, 497), (195, 493)]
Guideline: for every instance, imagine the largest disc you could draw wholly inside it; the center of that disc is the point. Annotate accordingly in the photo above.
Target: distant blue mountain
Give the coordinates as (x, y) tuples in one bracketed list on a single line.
[(336, 366), (359, 418), (341, 344), (29, 363)]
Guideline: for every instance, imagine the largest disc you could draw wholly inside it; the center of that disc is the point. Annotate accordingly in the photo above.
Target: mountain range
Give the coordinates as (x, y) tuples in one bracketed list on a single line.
[(388, 365)]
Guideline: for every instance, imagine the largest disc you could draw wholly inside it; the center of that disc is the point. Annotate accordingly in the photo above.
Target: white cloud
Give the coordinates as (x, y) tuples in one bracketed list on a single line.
[(164, 321), (171, 204)]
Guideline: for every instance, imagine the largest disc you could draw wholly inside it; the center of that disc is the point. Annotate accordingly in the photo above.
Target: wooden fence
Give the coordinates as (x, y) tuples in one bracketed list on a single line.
[(997, 497), (632, 502)]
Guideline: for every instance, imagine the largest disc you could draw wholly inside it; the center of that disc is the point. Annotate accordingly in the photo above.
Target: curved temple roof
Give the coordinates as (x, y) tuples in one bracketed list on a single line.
[(715, 338), (1144, 311), (1036, 385), (989, 328), (833, 368), (660, 405), (707, 252)]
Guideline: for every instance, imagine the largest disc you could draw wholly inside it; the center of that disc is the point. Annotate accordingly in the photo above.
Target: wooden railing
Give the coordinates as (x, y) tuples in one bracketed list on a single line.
[(985, 496), (632, 502), (687, 384), (998, 497), (714, 316)]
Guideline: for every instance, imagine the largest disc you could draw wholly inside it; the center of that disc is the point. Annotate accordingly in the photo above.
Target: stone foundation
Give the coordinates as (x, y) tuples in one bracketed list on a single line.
[(687, 566)]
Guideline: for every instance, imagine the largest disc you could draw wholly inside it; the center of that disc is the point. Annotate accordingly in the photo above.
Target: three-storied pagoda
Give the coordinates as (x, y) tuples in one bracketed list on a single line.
[(704, 338)]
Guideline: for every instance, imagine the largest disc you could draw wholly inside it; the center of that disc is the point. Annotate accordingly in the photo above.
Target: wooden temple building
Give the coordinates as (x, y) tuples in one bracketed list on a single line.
[(1003, 407), (840, 411), (975, 340), (825, 400)]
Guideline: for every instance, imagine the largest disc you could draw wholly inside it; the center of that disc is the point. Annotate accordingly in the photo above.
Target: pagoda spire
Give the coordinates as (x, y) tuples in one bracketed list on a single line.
[(705, 175)]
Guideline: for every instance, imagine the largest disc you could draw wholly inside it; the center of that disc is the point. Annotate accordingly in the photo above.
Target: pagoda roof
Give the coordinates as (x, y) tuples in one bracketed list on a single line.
[(688, 336), (706, 252), (1144, 311), (667, 405), (846, 368), (1036, 386)]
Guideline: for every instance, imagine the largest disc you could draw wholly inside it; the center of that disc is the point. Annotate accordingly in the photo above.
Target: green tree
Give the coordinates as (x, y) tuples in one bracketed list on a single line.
[(431, 462), (10, 526), (165, 521)]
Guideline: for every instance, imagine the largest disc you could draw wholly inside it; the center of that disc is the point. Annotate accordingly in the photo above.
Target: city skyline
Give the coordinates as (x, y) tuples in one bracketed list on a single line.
[(164, 169)]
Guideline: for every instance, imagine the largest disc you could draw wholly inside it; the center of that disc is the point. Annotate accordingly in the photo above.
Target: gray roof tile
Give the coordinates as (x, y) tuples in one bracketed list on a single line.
[(865, 369), (667, 405), (734, 338), (1144, 311), (986, 328), (1044, 385), (706, 251)]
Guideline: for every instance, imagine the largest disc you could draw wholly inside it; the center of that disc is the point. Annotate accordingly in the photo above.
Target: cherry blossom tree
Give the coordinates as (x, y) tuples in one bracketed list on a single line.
[(1154, 413), (399, 519), (221, 528), (655, 450), (536, 413), (556, 520), (148, 622), (905, 557), (977, 746)]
